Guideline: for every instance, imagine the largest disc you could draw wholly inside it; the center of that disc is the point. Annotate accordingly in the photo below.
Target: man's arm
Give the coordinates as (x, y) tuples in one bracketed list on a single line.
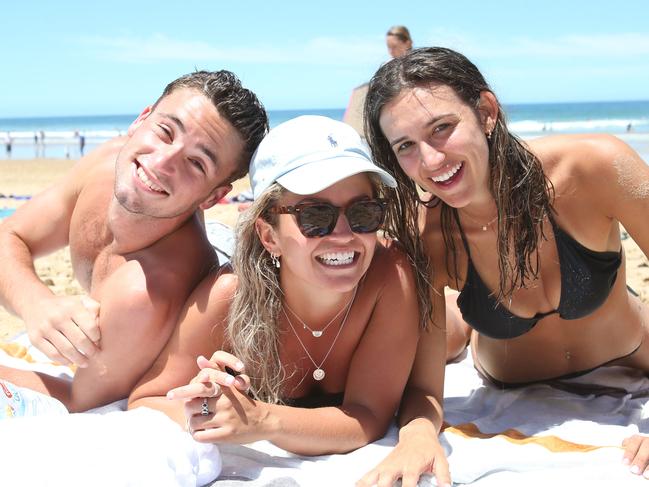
[(199, 331), (64, 328), (136, 322)]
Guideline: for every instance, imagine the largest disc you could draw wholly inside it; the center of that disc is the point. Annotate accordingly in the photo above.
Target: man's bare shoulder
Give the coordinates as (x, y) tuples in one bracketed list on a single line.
[(104, 156), (188, 243)]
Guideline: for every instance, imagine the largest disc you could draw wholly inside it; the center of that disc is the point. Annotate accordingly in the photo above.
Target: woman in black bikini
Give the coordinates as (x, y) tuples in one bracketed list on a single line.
[(528, 233)]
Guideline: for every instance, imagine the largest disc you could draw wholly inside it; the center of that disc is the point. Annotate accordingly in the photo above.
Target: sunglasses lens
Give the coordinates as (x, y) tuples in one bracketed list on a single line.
[(317, 220), (365, 216)]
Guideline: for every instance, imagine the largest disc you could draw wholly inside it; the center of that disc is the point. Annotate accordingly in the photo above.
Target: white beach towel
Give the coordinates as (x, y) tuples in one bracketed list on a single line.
[(537, 435), (107, 446)]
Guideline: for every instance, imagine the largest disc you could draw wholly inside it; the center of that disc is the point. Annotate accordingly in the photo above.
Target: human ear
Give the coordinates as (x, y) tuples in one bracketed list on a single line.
[(215, 196), (488, 109), (138, 121), (267, 236)]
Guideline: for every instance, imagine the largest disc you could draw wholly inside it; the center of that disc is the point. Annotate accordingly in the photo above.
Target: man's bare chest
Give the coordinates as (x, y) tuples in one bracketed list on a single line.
[(91, 239)]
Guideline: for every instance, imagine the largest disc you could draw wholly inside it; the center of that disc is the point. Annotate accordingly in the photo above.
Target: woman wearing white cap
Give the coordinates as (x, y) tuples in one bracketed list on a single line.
[(319, 317)]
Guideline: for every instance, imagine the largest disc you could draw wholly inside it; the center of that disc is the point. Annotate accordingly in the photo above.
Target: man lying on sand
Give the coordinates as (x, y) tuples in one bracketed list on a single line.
[(130, 213)]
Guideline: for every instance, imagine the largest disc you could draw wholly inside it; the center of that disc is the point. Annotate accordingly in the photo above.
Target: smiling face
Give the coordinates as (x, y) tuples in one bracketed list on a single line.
[(440, 143), (335, 262), (177, 158)]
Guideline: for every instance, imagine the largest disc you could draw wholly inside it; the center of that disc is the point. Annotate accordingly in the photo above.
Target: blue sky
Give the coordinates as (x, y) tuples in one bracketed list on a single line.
[(114, 57)]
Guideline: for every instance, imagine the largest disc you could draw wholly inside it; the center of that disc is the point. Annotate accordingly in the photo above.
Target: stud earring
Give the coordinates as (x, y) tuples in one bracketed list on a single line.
[(275, 260)]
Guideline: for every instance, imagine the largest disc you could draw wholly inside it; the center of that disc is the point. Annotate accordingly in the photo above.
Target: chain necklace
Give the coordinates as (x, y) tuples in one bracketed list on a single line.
[(319, 373), (482, 226), (318, 333)]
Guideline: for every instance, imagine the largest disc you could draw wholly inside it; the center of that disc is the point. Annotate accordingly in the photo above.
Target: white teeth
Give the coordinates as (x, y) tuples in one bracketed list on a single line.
[(447, 175), (150, 184), (336, 258)]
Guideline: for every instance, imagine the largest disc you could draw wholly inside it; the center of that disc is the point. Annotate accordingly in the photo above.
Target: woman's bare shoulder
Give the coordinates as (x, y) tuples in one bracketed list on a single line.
[(579, 154), (389, 256), (215, 292)]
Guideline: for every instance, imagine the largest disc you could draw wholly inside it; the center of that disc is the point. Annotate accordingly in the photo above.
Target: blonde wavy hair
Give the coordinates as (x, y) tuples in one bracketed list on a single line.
[(252, 330)]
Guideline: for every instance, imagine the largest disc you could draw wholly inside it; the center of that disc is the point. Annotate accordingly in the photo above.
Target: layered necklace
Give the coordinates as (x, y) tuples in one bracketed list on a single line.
[(319, 373), (318, 333)]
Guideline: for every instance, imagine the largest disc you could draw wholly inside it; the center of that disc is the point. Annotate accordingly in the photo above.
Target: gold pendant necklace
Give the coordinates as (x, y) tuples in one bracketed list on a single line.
[(482, 226)]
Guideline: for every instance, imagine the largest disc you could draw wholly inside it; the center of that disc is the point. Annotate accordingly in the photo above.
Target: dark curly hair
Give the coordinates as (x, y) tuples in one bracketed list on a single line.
[(522, 193)]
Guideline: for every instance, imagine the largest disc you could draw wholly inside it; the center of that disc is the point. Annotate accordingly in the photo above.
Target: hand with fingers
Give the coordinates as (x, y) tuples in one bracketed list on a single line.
[(408, 460), (217, 407), (65, 328), (636, 454)]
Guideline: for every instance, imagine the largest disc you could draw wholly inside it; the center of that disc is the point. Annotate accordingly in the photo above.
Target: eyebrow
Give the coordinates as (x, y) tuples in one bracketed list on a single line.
[(181, 126), (430, 122)]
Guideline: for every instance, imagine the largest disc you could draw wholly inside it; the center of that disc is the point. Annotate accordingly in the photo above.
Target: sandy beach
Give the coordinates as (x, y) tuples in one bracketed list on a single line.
[(29, 177)]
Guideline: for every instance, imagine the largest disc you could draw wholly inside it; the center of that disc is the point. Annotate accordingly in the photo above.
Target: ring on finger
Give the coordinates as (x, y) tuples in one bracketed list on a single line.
[(217, 389), (205, 409)]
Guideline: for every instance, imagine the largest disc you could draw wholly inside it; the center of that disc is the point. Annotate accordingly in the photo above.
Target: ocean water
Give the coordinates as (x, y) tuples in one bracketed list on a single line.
[(609, 117), (56, 136)]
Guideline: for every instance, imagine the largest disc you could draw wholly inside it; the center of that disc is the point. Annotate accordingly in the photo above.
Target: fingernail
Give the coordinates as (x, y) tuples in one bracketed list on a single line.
[(238, 366), (646, 474), (635, 469), (240, 381), (170, 395), (626, 461), (229, 380)]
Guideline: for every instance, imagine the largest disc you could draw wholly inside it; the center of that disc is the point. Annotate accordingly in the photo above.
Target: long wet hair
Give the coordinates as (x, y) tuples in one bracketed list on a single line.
[(522, 193)]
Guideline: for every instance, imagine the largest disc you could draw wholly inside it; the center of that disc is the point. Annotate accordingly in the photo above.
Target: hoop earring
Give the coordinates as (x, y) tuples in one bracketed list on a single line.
[(274, 258), (489, 135)]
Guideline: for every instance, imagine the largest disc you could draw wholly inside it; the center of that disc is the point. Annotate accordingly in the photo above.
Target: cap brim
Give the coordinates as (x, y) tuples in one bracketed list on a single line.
[(318, 175)]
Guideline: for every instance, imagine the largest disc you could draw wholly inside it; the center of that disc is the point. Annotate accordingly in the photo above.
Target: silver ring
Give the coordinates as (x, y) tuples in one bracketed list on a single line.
[(217, 389), (205, 410)]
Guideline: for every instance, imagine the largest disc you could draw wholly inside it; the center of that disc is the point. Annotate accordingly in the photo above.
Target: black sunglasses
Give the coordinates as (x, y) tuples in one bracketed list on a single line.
[(317, 219)]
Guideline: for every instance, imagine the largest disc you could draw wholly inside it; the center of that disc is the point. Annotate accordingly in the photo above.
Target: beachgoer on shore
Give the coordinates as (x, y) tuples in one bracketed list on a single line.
[(8, 144), (309, 308), (398, 41), (131, 213), (527, 232)]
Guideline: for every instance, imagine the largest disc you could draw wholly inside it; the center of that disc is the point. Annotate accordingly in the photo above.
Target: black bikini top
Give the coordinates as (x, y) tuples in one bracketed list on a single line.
[(586, 281), (318, 400)]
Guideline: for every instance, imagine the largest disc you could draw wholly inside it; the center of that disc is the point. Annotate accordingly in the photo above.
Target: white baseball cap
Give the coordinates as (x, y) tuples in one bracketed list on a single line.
[(310, 153)]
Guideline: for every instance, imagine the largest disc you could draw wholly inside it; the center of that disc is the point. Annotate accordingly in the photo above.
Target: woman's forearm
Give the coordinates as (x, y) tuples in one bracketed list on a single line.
[(417, 404), (324, 430)]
